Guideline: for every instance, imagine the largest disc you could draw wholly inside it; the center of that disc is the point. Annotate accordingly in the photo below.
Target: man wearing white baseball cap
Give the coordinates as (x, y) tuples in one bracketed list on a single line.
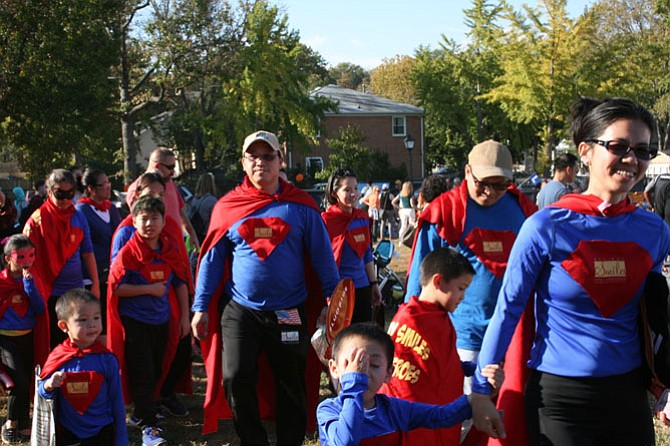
[(252, 296), (480, 219)]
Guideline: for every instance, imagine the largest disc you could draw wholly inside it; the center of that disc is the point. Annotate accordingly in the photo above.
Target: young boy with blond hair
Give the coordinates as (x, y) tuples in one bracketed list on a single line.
[(427, 367)]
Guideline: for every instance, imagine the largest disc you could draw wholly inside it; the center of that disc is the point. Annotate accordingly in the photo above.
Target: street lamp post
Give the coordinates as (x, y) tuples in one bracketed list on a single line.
[(409, 145)]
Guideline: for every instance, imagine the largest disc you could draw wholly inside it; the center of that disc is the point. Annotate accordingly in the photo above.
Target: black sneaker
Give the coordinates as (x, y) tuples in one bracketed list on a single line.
[(10, 435), (172, 406)]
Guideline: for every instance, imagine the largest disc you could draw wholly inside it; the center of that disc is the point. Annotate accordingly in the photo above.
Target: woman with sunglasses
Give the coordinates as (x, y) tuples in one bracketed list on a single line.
[(587, 257), (349, 231), (61, 236)]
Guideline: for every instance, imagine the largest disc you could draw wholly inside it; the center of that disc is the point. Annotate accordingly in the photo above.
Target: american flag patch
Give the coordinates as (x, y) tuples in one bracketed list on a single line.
[(288, 317)]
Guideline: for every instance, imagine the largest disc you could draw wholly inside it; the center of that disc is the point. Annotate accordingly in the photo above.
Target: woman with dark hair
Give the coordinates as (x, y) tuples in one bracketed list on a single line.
[(587, 257), (61, 234), (349, 231), (202, 204), (102, 218)]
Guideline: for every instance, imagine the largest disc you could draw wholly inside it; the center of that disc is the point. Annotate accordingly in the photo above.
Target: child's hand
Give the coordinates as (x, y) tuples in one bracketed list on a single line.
[(495, 375), (158, 289), (55, 380), (357, 361), (26, 274)]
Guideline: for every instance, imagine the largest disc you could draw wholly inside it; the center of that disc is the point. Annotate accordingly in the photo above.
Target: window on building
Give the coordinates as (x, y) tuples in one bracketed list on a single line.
[(399, 126), (313, 164)]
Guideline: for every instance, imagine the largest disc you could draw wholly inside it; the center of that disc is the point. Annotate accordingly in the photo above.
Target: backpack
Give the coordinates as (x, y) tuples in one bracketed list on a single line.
[(196, 219)]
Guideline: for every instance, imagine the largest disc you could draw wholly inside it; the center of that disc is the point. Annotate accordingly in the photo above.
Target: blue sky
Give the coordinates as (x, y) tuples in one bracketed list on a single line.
[(364, 32)]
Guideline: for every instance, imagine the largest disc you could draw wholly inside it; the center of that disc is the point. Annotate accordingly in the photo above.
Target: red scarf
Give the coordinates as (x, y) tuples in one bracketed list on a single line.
[(137, 255), (337, 223), (55, 239), (237, 204), (592, 205), (100, 206)]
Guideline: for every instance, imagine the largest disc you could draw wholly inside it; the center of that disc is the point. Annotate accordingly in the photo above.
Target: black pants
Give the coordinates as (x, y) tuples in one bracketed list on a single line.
[(16, 354), (56, 335), (246, 333), (105, 437), (180, 363), (145, 348), (362, 305), (588, 411)]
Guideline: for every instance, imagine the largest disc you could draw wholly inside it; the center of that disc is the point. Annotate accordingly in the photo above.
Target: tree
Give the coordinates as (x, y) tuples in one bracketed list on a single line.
[(537, 55), (54, 86), (393, 79), (348, 150), (350, 76)]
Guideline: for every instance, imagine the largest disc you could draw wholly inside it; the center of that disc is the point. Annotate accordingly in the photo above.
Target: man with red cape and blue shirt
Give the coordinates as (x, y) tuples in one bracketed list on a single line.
[(264, 266), (480, 219)]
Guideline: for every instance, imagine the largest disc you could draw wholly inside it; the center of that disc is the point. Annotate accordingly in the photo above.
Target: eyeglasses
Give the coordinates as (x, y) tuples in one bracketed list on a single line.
[(643, 152), (260, 156), (168, 166), (344, 173), (61, 194), (501, 186)]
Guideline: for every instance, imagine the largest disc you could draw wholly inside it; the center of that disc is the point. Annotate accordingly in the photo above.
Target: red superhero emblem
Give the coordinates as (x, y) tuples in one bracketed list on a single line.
[(263, 234), (492, 248), (610, 272), (81, 389), (357, 239)]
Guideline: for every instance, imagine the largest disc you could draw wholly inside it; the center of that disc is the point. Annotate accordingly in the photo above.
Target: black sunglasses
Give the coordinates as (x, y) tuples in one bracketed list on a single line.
[(643, 152), (492, 186), (168, 166), (61, 194)]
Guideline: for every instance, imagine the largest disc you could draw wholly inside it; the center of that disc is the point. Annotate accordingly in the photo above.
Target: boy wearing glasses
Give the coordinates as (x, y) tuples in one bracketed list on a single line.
[(61, 233), (480, 219), (264, 238)]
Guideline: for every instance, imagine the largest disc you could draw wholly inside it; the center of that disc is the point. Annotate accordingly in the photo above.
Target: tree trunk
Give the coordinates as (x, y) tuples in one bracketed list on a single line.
[(129, 149)]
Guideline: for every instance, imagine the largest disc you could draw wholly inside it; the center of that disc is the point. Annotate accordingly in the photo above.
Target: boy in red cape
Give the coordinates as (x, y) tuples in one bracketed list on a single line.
[(254, 267), (148, 310), (83, 377)]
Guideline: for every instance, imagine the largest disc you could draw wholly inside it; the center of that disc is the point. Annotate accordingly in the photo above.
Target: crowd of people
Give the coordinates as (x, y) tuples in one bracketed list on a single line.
[(534, 313)]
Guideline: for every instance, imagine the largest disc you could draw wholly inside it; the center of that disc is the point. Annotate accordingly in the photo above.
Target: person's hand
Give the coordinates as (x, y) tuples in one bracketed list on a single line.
[(95, 289), (321, 320), (26, 274), (55, 380), (356, 361), (158, 289), (486, 417), (663, 408), (376, 296), (495, 375), (199, 325)]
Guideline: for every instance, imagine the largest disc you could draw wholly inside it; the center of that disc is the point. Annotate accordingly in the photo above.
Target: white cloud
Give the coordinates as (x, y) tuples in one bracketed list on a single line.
[(315, 41)]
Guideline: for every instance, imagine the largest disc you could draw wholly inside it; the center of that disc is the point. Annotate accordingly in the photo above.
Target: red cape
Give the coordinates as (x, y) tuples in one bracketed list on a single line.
[(55, 240), (136, 255), (448, 212), (337, 221), (10, 287), (237, 204), (65, 351), (592, 205)]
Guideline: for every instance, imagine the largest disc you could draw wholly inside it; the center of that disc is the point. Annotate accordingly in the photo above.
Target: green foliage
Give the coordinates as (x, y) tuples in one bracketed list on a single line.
[(350, 75), (348, 150), (393, 80), (54, 81)]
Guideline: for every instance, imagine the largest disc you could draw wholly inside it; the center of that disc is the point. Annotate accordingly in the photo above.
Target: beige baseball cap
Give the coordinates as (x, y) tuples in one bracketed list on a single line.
[(267, 137), (490, 159)]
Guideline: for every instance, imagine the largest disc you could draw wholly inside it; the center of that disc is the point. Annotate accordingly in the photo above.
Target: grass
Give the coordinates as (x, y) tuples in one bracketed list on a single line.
[(187, 431)]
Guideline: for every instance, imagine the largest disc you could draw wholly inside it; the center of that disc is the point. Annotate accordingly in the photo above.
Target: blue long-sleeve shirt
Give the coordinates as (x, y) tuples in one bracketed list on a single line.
[(269, 275), (588, 273), (106, 408), (12, 321), (344, 420)]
